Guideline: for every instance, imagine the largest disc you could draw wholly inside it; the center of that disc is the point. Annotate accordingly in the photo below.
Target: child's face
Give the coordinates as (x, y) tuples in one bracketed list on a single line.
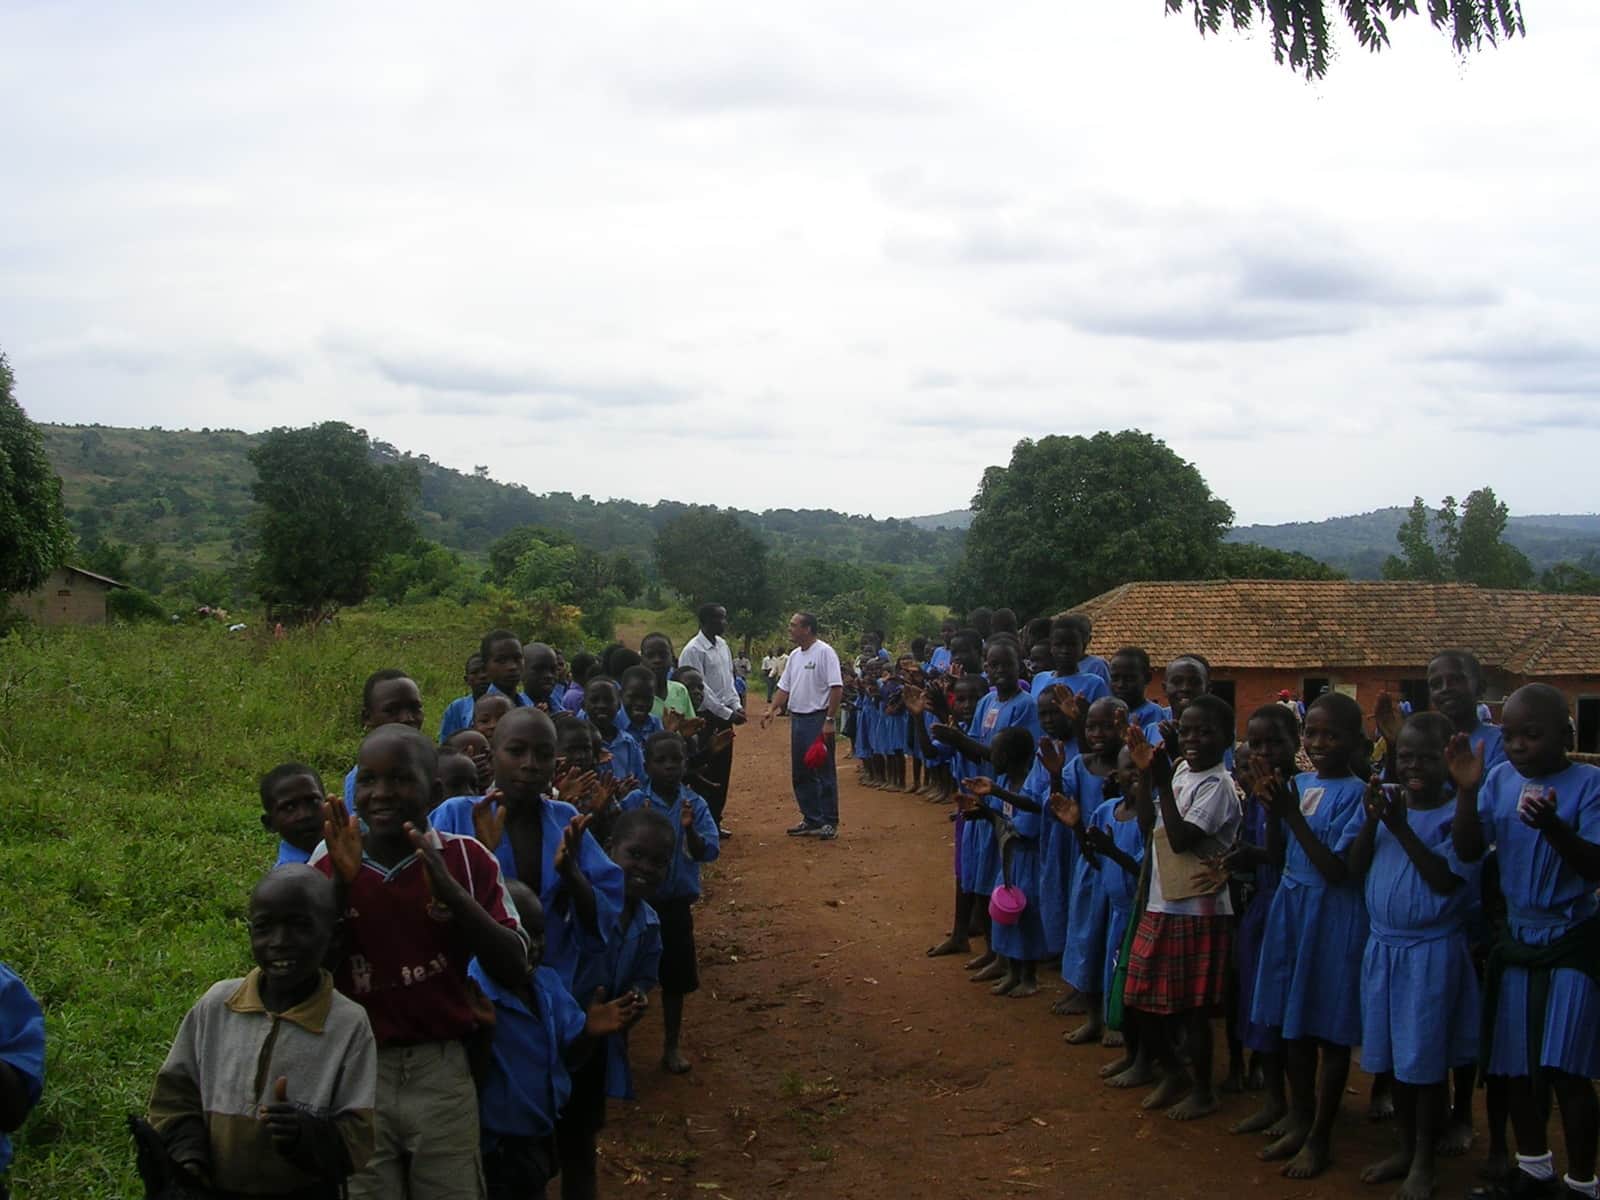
[(393, 785), (1128, 680), (1202, 742), (1066, 648), (458, 776), (1452, 691), (695, 684), (577, 749), (638, 698), (1535, 735), (290, 927), (1329, 745), (561, 667), (294, 811), (1054, 722), (470, 742), (657, 656), (947, 630), (969, 690), (665, 765), (1103, 725), (395, 702), (644, 856), (1184, 681), (504, 667), (1127, 773), (1001, 666), (525, 760), (600, 703), (539, 672), (477, 676), (1419, 763), (487, 712), (1270, 741), (1040, 659)]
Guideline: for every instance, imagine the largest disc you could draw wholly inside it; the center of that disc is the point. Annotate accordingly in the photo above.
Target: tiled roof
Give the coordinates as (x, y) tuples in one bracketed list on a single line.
[(1301, 623)]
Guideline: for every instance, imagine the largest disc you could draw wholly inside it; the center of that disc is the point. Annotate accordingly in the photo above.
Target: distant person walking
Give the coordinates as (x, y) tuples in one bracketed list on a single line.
[(772, 670), (809, 691), (722, 707)]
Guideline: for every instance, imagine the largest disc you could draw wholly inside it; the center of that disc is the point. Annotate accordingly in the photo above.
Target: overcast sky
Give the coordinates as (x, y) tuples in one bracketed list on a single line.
[(813, 255)]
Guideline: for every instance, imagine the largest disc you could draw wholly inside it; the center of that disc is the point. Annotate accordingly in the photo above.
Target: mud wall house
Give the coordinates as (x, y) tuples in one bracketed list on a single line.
[(70, 596), (1263, 637)]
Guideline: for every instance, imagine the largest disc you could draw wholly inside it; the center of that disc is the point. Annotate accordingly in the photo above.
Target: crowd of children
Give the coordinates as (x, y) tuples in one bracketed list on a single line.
[(1421, 887), (450, 954)]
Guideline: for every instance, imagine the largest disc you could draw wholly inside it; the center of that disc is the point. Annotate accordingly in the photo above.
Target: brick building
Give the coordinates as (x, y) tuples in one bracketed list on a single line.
[(70, 596), (1266, 636)]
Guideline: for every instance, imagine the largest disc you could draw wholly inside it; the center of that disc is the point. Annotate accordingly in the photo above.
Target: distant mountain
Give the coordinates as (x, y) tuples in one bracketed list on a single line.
[(956, 518), (186, 494), (1358, 544)]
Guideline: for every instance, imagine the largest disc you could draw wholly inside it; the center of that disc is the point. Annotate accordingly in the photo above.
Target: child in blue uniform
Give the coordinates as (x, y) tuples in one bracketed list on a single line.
[(1088, 664), (291, 807), (1130, 682), (458, 713), (602, 701), (1309, 980), (1015, 819), (665, 761), (1058, 847), (1116, 839), (1084, 783), (1455, 690), (638, 703), (1419, 994), (502, 663), (1541, 992), (969, 689), (21, 1060), (388, 697), (1066, 653)]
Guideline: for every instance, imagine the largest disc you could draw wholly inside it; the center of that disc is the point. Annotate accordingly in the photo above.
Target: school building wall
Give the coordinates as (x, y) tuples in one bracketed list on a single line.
[(66, 598)]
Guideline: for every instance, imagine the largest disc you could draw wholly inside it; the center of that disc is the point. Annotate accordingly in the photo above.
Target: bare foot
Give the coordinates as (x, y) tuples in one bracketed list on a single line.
[(1112, 1039), (993, 971), (1261, 1120), (1381, 1109), (979, 961), (1312, 1160), (1497, 1167), (1137, 1075), (674, 1062), (1289, 1142), (1172, 1088), (1088, 1032), (1419, 1185), (951, 945), (1070, 1005), (1005, 987), (1193, 1106), (1281, 1126), (1024, 989), (1455, 1141), (1396, 1166), (1116, 1066)]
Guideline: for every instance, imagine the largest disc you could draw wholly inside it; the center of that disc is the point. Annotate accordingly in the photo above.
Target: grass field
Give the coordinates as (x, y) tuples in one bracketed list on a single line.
[(129, 835)]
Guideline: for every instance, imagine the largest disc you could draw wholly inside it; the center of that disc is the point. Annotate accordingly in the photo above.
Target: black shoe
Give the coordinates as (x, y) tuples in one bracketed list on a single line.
[(804, 829), (723, 834), (1521, 1186)]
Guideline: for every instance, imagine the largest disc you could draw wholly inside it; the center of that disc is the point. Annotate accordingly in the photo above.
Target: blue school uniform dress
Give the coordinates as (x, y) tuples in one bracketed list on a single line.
[(1247, 941), (1419, 992), (627, 757), (21, 1044), (979, 844), (863, 745), (631, 962), (1088, 687), (939, 661), (1023, 941), (288, 854), (1149, 713), (1119, 886), (1088, 908), (1309, 980), (1056, 848), (639, 730), (1093, 664), (892, 726), (457, 716), (1493, 743), (527, 1083), (521, 699), (565, 940), (1545, 898)]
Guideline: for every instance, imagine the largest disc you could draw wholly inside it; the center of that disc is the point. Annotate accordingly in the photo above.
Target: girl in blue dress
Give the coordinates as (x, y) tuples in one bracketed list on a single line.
[(1308, 983), (967, 692), (1541, 811), (1015, 818), (1116, 840), (1419, 993), (1057, 846)]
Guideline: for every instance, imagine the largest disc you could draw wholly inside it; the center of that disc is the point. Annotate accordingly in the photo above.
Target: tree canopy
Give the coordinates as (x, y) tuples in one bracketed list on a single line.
[(34, 535), (709, 556), (1302, 30), (1074, 516), (326, 515), (1461, 544)]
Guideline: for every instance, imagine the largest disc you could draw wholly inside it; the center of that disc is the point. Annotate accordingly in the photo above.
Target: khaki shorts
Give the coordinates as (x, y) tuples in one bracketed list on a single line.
[(427, 1127)]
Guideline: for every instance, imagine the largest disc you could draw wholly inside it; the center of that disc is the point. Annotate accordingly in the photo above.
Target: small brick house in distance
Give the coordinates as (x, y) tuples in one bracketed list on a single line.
[(70, 596), (1265, 636)]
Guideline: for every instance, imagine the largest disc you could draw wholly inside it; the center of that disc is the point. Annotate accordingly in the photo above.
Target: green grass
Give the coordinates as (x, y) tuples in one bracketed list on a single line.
[(129, 835)]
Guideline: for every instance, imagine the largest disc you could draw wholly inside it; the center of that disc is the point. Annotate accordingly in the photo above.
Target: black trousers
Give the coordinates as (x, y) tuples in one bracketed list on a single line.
[(717, 771)]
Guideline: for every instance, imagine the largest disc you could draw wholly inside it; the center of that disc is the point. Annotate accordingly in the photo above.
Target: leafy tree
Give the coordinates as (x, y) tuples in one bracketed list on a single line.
[(1461, 543), (133, 604), (1571, 579), (35, 538), (1246, 560), (326, 515), (1073, 516), (424, 571), (709, 556), (1301, 33), (624, 574)]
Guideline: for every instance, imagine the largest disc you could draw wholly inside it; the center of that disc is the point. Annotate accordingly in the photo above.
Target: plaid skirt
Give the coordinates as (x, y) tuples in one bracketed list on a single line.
[(1179, 963)]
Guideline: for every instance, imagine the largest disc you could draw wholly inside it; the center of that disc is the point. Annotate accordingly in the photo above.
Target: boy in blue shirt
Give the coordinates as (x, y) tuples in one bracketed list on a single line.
[(602, 700), (21, 1060), (458, 713), (638, 703), (695, 842), (291, 807)]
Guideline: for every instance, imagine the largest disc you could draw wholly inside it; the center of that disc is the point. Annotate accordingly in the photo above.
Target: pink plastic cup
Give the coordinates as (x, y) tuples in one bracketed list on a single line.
[(1006, 904)]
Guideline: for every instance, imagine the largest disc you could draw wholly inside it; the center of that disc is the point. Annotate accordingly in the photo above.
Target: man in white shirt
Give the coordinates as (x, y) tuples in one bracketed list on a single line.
[(722, 707), (809, 691)]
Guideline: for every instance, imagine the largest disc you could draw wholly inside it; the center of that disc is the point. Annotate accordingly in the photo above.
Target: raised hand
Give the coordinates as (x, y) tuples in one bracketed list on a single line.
[(571, 843), (489, 818), (1065, 809), (671, 720), (1169, 738), (979, 785), (966, 801), (1066, 700), (915, 699), (442, 886), (484, 762), (1374, 801), (957, 670), (944, 733), (603, 1018), (1052, 755), (1098, 840), (342, 834), (1464, 762), (576, 787), (1386, 716), (1540, 812), (686, 816), (690, 726), (1139, 747)]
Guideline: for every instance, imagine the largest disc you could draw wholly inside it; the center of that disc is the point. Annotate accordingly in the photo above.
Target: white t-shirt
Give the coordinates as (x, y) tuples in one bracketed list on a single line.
[(808, 675), (1206, 800)]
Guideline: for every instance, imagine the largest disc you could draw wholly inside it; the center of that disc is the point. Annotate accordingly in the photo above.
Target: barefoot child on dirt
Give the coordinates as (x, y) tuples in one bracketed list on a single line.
[(1015, 818), (388, 697), (291, 807), (1419, 993), (1179, 959), (1309, 980), (695, 842), (269, 1088), (419, 905), (1542, 812), (1058, 718), (1117, 841), (969, 689)]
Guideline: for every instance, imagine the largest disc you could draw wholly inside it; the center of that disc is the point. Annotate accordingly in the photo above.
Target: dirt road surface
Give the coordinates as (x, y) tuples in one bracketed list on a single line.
[(832, 1058)]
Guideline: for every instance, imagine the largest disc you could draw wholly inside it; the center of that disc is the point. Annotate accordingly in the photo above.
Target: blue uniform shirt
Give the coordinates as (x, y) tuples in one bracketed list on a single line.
[(994, 714), (21, 1042), (627, 756), (521, 699), (290, 854), (632, 962), (1087, 687), (939, 661), (527, 1082), (639, 730), (683, 876), (457, 716)]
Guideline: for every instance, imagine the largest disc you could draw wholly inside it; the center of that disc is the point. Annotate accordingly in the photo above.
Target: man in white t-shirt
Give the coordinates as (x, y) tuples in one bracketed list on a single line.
[(809, 690)]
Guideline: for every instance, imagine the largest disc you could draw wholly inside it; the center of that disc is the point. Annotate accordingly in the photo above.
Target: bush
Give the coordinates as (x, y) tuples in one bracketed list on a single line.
[(132, 604)]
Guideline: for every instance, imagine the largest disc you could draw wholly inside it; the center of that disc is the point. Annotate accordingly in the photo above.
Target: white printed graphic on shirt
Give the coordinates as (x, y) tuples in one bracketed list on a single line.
[(1311, 800)]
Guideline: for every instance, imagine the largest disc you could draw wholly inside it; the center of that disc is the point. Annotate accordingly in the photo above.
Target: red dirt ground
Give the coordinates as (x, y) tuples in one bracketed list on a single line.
[(832, 1058)]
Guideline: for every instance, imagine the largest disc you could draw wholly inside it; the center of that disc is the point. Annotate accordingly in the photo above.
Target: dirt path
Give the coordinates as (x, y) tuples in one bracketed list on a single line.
[(833, 1058)]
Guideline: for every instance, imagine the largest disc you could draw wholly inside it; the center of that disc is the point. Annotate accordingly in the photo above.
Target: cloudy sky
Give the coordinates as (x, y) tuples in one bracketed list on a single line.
[(833, 254)]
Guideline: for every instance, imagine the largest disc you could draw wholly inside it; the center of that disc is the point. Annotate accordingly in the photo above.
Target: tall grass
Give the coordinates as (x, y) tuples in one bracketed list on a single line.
[(130, 835)]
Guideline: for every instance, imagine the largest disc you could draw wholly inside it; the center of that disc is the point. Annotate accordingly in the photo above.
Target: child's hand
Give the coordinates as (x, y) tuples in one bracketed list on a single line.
[(979, 785), (571, 843), (1052, 755), (1065, 809), (1139, 747), (577, 787), (671, 719), (686, 816), (690, 726), (1169, 738), (956, 670), (944, 733), (915, 699), (489, 818), (442, 886), (342, 834), (1373, 799), (1386, 716), (1098, 840), (484, 763), (721, 741), (1539, 812), (966, 802), (605, 1018), (1464, 763), (1066, 700), (281, 1118)]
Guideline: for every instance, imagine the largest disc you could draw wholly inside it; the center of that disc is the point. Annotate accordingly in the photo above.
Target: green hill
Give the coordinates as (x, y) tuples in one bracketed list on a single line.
[(185, 494)]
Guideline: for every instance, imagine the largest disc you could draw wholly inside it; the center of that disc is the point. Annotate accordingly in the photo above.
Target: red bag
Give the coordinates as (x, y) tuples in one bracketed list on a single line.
[(816, 755)]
